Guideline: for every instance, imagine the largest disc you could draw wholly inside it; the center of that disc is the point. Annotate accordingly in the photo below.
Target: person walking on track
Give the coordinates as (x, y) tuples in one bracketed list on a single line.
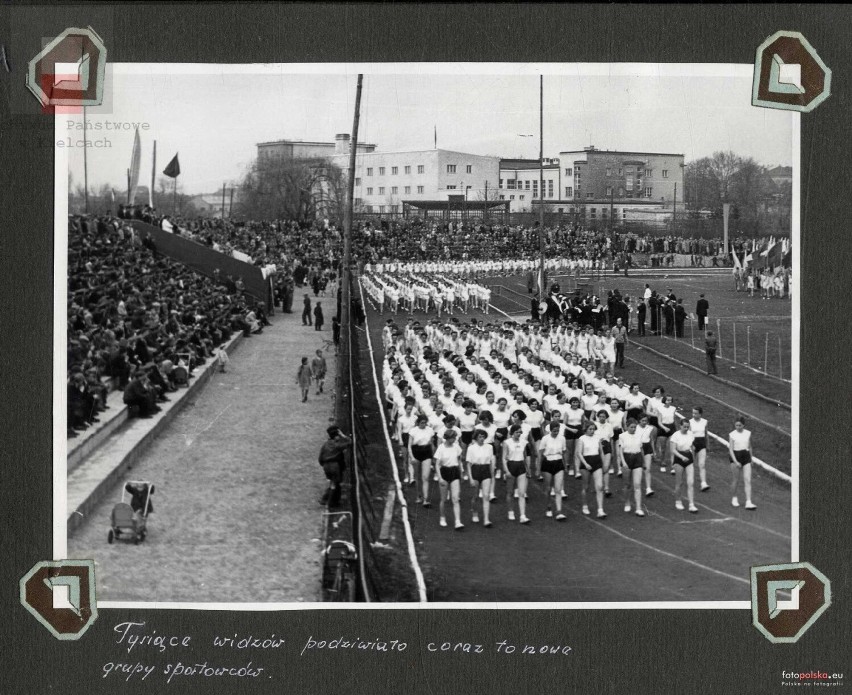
[(448, 460), (517, 470), (619, 332), (318, 370), (306, 312), (480, 470), (630, 454), (711, 343), (682, 445), (739, 449), (698, 427), (303, 378)]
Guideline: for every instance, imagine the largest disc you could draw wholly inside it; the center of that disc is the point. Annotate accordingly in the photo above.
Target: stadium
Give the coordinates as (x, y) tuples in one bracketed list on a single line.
[(540, 407)]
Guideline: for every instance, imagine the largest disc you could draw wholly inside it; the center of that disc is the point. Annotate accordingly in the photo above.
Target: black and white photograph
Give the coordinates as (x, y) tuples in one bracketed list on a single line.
[(424, 348), (436, 335)]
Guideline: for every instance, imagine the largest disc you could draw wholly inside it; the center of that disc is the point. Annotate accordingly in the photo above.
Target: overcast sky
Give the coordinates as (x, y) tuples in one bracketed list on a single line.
[(214, 119)]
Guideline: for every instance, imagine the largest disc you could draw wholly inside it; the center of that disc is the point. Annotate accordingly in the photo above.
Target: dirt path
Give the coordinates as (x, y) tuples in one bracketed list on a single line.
[(236, 516)]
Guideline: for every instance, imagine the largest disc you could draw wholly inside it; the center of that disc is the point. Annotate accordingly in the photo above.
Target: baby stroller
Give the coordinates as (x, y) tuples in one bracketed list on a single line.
[(129, 520)]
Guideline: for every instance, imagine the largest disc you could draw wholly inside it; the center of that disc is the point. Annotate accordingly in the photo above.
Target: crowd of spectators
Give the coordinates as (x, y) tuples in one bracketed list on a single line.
[(138, 318)]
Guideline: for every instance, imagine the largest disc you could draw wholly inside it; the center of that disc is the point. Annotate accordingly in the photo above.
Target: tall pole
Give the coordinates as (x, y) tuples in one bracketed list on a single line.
[(174, 197), (541, 187), (223, 200), (153, 174), (485, 211), (231, 205), (85, 166), (128, 186), (347, 213), (674, 209)]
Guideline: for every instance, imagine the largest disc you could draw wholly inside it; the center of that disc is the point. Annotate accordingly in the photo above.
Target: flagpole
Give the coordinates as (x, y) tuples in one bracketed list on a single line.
[(174, 198), (153, 174), (128, 186)]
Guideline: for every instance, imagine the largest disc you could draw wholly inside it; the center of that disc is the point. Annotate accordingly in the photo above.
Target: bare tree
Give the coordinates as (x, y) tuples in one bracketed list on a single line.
[(301, 189), (725, 166)]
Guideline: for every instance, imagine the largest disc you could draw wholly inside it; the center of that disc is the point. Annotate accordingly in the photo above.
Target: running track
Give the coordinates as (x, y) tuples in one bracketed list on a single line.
[(666, 556)]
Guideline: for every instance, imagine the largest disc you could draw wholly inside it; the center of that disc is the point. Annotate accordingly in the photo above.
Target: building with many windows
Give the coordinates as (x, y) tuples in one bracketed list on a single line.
[(383, 180), (520, 179), (592, 184)]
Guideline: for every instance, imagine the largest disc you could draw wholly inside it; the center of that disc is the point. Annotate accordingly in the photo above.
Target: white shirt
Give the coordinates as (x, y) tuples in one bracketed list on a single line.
[(682, 441), (630, 443), (479, 454), (740, 440), (448, 456), (590, 444), (515, 450), (698, 427), (552, 447), (420, 436)]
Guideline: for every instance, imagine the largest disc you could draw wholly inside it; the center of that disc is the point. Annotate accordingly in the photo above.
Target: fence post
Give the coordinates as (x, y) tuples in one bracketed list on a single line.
[(735, 341), (692, 332), (748, 345), (780, 366), (719, 335), (766, 355)]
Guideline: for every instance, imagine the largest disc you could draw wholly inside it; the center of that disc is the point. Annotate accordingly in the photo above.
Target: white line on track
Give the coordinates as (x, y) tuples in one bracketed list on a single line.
[(409, 537), (668, 554)]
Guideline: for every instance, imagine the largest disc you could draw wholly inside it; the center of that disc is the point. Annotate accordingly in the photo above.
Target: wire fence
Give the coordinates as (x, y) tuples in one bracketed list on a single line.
[(752, 347)]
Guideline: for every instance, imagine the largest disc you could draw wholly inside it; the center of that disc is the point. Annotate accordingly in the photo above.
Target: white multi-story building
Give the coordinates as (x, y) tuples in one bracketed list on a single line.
[(384, 180), (520, 179), (596, 185)]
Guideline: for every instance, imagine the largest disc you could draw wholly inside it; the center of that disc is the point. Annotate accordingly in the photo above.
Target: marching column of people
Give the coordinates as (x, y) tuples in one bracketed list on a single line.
[(506, 404)]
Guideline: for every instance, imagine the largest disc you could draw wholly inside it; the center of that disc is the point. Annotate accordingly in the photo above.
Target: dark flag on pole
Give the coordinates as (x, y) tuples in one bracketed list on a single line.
[(173, 169)]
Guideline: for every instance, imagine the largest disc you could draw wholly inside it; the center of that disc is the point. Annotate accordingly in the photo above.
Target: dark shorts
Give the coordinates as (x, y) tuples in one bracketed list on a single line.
[(700, 444), (535, 433), (405, 439), (606, 446), (634, 413), (467, 437), (552, 466), (615, 434), (450, 473), (502, 433), (571, 435), (480, 471), (594, 461), (587, 414), (681, 462), (654, 421), (647, 449), (633, 461), (667, 430), (421, 453), (742, 456), (516, 468)]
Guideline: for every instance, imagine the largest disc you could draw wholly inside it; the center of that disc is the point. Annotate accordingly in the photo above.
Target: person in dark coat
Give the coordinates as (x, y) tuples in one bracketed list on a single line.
[(654, 310), (534, 308), (335, 332), (141, 393), (668, 316), (306, 312), (679, 318), (701, 311), (641, 312), (318, 317)]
